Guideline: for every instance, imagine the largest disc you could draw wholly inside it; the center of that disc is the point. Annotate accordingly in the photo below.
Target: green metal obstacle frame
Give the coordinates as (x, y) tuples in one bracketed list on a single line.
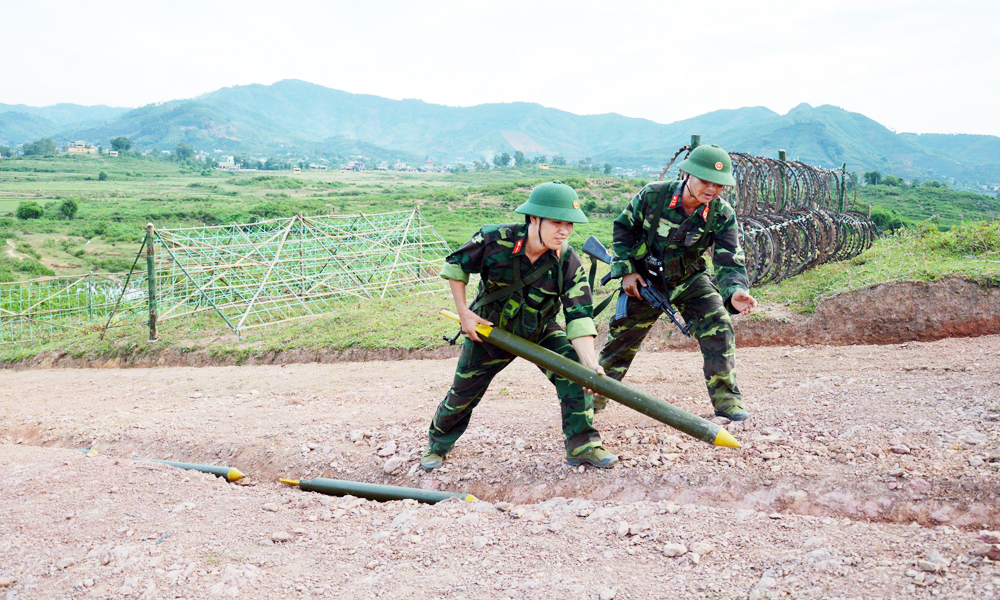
[(251, 274)]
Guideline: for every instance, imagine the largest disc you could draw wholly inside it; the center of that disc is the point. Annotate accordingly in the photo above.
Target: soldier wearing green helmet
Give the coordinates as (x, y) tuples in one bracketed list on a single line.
[(527, 272), (662, 238)]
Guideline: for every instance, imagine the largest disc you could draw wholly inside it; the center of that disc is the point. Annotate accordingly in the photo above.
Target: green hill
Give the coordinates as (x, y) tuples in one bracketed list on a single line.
[(296, 116)]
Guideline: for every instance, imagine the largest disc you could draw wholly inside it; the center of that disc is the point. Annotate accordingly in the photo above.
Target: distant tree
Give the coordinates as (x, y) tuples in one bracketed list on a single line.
[(275, 164), (935, 184), (541, 159), (501, 160), (42, 147), (121, 144), (915, 183), (481, 165), (607, 168), (459, 168), (873, 177), (558, 160), (892, 180), (102, 176), (69, 206), (6, 151), (519, 159), (29, 210), (183, 153)]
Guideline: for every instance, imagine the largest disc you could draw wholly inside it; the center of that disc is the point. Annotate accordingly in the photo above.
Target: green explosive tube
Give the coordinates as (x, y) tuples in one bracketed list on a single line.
[(374, 491), (228, 473), (651, 406)]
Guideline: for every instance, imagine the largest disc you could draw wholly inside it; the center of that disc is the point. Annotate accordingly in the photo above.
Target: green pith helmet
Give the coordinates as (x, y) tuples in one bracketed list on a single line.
[(553, 200), (709, 163)]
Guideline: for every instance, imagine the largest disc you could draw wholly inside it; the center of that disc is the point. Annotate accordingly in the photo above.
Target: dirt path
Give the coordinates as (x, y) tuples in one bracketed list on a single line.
[(11, 251), (866, 472)]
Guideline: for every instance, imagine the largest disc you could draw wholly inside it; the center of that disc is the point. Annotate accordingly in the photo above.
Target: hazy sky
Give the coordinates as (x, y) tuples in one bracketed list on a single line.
[(911, 65)]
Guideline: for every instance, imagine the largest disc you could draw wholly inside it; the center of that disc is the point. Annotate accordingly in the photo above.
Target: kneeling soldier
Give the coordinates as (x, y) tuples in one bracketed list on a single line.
[(661, 239), (527, 272)]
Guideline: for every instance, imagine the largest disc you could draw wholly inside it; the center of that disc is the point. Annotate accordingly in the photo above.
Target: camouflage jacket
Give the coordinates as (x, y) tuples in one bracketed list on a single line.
[(491, 253), (681, 241)]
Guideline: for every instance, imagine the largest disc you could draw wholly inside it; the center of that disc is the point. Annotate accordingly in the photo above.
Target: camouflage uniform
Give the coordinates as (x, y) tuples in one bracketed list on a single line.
[(530, 313), (682, 243)]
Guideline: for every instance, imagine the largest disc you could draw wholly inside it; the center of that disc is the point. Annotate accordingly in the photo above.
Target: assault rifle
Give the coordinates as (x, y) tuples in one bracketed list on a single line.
[(596, 251)]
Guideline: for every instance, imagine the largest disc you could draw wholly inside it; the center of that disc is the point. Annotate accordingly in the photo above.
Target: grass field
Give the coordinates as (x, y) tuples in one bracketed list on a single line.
[(112, 212), (106, 232)]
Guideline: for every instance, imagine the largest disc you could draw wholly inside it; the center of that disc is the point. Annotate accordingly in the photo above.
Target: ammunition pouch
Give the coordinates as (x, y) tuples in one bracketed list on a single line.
[(516, 316)]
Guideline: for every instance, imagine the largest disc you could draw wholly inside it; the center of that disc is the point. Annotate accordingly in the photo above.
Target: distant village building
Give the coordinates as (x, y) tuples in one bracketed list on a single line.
[(296, 170), (81, 147), (543, 165), (229, 164), (112, 153)]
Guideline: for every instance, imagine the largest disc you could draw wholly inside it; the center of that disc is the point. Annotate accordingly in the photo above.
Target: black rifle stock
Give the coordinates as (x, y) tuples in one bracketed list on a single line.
[(596, 250)]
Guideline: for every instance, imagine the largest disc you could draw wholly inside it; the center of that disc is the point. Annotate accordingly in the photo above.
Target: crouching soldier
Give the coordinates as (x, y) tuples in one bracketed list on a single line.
[(662, 239), (528, 270)]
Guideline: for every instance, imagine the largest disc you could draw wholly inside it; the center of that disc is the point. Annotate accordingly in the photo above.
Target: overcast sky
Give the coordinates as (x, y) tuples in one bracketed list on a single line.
[(911, 65)]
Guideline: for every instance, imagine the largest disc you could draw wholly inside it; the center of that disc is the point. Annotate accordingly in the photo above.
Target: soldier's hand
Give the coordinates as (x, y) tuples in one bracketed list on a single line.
[(469, 321), (631, 283), (600, 371), (743, 302)]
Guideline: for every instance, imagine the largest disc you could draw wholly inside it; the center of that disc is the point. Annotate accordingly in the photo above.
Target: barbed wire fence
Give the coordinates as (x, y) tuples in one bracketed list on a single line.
[(252, 275), (792, 216)]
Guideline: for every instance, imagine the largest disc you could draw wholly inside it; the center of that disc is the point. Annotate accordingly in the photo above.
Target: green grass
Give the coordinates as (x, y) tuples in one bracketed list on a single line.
[(970, 251), (108, 226), (941, 206), (107, 230)]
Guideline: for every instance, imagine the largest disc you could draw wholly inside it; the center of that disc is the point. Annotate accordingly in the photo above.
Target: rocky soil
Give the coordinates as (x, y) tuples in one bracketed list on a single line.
[(866, 472)]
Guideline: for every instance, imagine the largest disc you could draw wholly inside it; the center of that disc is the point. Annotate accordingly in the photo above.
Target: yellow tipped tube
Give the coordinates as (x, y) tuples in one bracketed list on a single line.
[(726, 439), (228, 473), (374, 491), (649, 405)]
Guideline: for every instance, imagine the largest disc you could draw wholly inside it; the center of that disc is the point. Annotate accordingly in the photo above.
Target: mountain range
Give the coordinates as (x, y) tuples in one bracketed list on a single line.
[(296, 116)]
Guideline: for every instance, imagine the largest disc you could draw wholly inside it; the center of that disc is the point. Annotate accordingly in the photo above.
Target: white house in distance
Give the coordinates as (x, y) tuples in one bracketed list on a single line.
[(81, 147)]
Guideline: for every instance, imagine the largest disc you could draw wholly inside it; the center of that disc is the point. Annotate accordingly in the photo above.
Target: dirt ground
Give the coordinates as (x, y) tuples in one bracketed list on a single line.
[(865, 472)]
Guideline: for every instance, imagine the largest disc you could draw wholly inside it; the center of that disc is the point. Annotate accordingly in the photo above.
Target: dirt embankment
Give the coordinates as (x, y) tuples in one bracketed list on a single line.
[(882, 314)]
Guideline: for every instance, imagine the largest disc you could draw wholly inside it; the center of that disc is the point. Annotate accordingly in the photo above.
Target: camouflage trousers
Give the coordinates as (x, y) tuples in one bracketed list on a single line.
[(476, 369), (703, 310)]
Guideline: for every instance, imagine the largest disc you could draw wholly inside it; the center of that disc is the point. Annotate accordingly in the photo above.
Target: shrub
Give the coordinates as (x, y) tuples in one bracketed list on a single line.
[(29, 210), (26, 248), (972, 237), (68, 207), (115, 264), (889, 220), (102, 176)]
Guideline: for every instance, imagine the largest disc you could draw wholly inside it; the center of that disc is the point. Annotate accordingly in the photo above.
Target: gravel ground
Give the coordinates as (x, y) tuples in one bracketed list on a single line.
[(866, 472)]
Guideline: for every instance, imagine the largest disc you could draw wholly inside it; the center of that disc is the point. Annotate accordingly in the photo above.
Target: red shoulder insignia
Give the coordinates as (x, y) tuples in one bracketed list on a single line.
[(673, 201), (518, 245), (704, 213)]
